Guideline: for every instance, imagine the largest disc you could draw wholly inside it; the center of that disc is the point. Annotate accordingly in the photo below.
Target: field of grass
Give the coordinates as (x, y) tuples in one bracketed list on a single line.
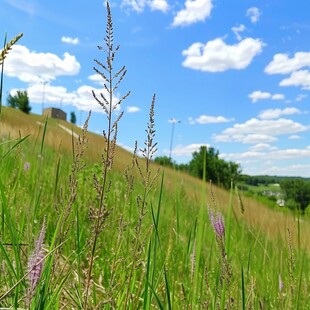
[(167, 255), (87, 225)]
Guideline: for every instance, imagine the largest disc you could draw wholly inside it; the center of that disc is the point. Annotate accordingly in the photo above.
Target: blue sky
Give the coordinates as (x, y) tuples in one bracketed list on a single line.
[(235, 75)]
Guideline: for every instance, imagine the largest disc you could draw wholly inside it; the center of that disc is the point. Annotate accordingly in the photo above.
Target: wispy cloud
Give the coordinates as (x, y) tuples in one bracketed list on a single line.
[(132, 109), (139, 5), (206, 119), (186, 150), (254, 14), (237, 30), (276, 113), (26, 6), (70, 40)]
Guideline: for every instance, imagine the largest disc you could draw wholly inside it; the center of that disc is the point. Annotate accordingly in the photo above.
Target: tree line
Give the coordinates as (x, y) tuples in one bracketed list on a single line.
[(207, 163)]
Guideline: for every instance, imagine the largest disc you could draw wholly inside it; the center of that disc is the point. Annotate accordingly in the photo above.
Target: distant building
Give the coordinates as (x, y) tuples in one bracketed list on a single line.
[(55, 113)]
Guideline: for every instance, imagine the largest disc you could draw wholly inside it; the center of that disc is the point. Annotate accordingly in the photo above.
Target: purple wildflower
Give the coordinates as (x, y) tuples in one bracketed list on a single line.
[(281, 284), (26, 166), (217, 221), (35, 263)]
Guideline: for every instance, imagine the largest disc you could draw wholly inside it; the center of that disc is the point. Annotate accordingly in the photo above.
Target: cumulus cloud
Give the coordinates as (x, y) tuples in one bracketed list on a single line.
[(132, 109), (32, 67), (186, 150), (282, 64), (217, 56), (70, 40), (237, 30), (81, 98), (206, 119), (299, 78), (259, 95), (159, 5), (139, 5), (260, 131), (276, 113), (254, 14), (194, 11)]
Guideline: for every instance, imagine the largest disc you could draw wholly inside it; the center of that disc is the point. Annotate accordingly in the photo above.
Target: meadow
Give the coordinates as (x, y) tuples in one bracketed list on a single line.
[(87, 225)]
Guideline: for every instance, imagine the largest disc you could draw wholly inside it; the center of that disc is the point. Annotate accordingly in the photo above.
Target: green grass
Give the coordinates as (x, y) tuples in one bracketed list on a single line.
[(87, 225), (174, 229)]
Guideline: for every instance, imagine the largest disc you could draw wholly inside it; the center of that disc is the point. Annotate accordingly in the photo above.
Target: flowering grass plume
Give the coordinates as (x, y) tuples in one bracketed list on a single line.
[(35, 263), (217, 222)]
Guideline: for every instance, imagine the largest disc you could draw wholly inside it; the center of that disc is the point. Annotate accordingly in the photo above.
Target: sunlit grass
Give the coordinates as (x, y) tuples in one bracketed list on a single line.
[(87, 225)]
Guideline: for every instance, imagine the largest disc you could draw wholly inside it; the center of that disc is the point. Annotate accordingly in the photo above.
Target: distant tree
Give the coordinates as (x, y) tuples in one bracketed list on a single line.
[(297, 190), (218, 170), (72, 118), (20, 101)]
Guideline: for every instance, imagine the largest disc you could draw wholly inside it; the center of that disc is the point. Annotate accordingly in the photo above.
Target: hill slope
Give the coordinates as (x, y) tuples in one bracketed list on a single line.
[(14, 123)]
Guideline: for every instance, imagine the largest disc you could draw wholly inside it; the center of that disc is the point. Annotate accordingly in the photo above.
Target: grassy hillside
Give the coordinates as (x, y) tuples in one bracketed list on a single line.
[(14, 124), (157, 247)]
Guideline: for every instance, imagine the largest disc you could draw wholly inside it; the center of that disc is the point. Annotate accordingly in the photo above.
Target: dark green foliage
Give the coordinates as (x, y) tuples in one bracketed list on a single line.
[(164, 161), (19, 101), (297, 191), (72, 118), (218, 170)]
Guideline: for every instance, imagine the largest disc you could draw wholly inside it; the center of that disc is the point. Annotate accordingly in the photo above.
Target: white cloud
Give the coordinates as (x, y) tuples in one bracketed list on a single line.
[(301, 97), (23, 5), (82, 98), (206, 119), (259, 95), (260, 147), (139, 5), (294, 137), (217, 56), (70, 40), (96, 78), (159, 5), (276, 113), (260, 131), (244, 138), (283, 154), (132, 109), (32, 67), (194, 11), (282, 64), (254, 14), (274, 127), (290, 170), (298, 78), (237, 30), (186, 150), (278, 97)]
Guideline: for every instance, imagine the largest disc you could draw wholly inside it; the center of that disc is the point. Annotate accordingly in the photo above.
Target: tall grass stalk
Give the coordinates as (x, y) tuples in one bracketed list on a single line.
[(112, 81)]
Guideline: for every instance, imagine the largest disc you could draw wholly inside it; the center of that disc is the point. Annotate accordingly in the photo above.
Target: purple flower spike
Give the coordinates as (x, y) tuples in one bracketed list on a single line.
[(217, 221), (35, 263)]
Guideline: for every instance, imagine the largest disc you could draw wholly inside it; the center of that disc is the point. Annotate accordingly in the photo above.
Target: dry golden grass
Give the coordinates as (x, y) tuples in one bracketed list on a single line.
[(258, 217)]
